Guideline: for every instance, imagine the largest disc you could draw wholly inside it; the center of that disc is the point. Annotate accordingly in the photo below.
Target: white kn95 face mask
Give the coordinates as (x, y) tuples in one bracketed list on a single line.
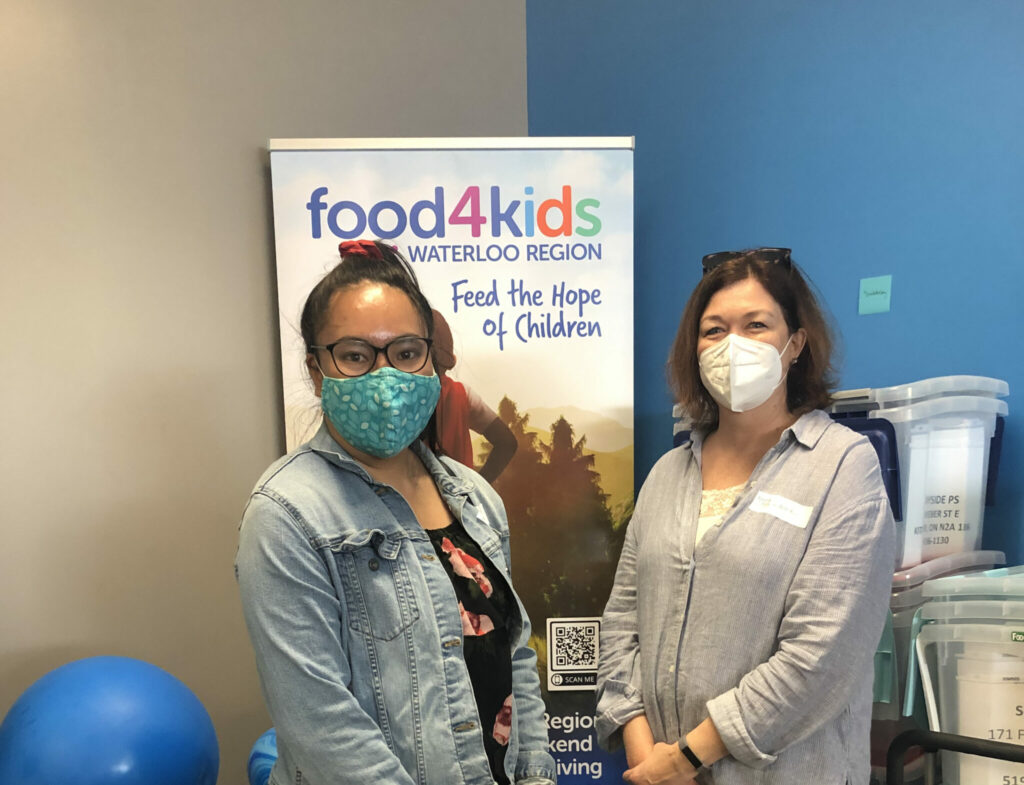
[(741, 373)]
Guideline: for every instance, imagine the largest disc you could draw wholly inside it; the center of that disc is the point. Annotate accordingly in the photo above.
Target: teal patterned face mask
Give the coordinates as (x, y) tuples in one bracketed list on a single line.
[(380, 413)]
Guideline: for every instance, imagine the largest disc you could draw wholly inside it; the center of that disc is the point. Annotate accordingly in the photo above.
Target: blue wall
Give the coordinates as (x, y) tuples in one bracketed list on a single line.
[(873, 138)]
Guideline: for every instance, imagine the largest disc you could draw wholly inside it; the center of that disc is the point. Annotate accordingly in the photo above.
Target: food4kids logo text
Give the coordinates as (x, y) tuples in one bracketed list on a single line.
[(560, 311), (494, 214)]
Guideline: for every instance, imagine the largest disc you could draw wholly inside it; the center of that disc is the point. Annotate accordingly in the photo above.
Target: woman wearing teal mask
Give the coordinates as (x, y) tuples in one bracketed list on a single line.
[(374, 572), (738, 640)]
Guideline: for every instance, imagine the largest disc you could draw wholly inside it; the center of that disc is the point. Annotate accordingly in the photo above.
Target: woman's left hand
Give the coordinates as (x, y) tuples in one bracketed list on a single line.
[(664, 766)]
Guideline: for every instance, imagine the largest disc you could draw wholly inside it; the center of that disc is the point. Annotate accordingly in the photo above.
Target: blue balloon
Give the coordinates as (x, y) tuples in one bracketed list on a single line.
[(108, 721), (262, 758)]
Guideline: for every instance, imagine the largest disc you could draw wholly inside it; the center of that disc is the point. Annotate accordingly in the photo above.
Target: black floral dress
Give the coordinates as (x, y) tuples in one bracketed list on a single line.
[(488, 609)]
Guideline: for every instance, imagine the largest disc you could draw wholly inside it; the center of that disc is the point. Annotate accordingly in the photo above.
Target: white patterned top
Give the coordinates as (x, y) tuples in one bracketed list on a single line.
[(714, 504)]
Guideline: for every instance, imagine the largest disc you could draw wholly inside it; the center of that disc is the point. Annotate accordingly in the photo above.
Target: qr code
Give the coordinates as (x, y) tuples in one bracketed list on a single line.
[(573, 644)]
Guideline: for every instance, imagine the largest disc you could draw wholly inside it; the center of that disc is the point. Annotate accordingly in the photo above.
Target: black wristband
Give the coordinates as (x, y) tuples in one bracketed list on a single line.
[(690, 755)]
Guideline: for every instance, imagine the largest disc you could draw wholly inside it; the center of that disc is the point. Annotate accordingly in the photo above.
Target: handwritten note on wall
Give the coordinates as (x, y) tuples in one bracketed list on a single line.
[(875, 295)]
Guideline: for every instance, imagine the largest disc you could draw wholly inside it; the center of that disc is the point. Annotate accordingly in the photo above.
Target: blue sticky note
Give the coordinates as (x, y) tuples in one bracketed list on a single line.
[(875, 294)]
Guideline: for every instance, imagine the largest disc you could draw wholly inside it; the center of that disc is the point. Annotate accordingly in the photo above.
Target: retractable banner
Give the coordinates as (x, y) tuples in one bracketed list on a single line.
[(524, 248)]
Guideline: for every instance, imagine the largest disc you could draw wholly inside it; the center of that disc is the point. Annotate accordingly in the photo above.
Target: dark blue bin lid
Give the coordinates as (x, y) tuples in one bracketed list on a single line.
[(882, 435)]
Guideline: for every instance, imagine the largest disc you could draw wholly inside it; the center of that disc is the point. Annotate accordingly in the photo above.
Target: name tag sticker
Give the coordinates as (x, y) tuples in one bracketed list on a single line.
[(782, 508)]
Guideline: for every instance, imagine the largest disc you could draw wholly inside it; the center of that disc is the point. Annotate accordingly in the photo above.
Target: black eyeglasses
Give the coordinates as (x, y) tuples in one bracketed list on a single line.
[(354, 357), (770, 255)]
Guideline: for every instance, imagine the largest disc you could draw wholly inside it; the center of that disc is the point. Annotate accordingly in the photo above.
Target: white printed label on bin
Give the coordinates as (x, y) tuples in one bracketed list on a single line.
[(782, 508), (946, 489), (989, 701)]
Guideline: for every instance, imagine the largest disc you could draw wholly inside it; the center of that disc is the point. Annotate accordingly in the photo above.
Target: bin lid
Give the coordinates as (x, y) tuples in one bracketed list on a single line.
[(882, 435), (1004, 582), (973, 610), (941, 386), (946, 565), (868, 398), (860, 400), (906, 584), (952, 406), (1007, 633)]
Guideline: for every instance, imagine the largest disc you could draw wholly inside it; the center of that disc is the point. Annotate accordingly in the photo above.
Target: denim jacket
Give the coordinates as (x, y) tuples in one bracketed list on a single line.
[(357, 633)]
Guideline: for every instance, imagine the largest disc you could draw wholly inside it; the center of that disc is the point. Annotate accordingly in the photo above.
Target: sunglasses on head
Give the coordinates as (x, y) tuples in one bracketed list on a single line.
[(769, 255)]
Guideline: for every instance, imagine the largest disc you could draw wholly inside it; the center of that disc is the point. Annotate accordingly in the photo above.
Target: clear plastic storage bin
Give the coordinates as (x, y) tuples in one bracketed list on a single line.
[(907, 597), (904, 602), (943, 446), (945, 429), (973, 680)]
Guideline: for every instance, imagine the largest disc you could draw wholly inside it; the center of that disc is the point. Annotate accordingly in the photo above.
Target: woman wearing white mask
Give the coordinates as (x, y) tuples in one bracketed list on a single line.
[(737, 644)]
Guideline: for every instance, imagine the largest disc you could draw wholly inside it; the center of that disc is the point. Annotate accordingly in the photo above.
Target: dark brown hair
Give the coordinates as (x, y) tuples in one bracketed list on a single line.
[(385, 266), (810, 381)]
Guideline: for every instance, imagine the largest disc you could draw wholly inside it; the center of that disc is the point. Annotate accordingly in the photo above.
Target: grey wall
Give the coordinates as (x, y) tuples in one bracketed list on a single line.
[(139, 380)]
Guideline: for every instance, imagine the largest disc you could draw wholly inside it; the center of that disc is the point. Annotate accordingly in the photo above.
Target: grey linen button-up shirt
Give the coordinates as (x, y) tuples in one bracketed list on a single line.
[(770, 624)]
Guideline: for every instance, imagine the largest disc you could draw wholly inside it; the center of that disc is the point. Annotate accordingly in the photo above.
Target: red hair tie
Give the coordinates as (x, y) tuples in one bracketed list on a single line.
[(360, 248)]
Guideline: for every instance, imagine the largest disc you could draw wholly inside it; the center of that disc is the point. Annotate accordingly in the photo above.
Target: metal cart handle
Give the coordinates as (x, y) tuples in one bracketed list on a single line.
[(930, 741)]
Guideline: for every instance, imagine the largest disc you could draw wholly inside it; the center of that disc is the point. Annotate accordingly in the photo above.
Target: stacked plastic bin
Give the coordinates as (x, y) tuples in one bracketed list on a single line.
[(895, 651), (907, 597), (969, 646), (938, 442), (943, 433)]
